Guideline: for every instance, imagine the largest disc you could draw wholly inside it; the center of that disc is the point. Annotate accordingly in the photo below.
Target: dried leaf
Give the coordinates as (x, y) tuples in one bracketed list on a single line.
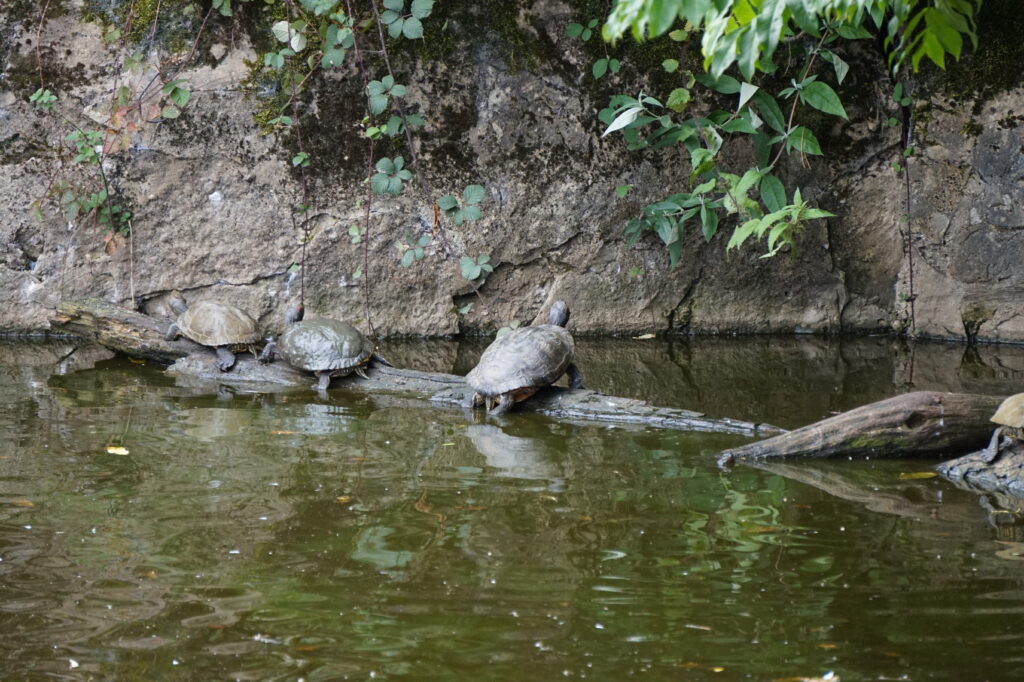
[(917, 475), (342, 499), (117, 450), (644, 337), (22, 502), (283, 433)]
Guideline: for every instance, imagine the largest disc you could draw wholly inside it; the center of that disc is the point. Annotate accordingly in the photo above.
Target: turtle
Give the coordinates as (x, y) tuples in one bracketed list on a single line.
[(1010, 417), (519, 363), (223, 327), (327, 347)]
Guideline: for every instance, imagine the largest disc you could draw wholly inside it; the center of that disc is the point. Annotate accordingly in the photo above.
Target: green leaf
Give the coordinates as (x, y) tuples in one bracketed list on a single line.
[(421, 9), (389, 16), (709, 222), (624, 118), (822, 97), (407, 258), (395, 27), (332, 57), (803, 140), (679, 35), (769, 110), (413, 28), (670, 65), (622, 190), (447, 202), (395, 5), (170, 112), (473, 194), (852, 32), (600, 67), (727, 85), (773, 194), (747, 91), (678, 99), (574, 30), (386, 165), (379, 183), (378, 103), (840, 66), (471, 213), (614, 65)]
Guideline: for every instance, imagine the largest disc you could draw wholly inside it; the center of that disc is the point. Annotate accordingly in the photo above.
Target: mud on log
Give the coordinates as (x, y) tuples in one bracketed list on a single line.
[(914, 424), (138, 335)]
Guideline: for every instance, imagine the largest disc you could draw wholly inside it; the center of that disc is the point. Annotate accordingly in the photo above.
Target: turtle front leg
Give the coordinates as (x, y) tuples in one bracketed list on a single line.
[(505, 402), (991, 451), (225, 359), (361, 372), (267, 354), (172, 332), (575, 378), (323, 380)]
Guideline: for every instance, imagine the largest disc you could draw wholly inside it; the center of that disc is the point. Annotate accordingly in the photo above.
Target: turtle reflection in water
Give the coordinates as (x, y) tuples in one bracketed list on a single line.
[(223, 327), (328, 348), (517, 364), (1010, 417)]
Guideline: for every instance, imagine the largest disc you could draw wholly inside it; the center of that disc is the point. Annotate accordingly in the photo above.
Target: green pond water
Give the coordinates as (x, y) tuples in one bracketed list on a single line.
[(151, 531)]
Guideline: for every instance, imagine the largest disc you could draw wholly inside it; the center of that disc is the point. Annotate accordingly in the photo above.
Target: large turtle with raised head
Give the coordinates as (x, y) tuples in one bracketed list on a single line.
[(327, 347), (223, 327), (1010, 417), (519, 363)]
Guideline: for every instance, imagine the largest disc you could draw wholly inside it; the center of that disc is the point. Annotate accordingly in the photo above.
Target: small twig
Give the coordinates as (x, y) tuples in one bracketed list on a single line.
[(39, 33), (131, 261)]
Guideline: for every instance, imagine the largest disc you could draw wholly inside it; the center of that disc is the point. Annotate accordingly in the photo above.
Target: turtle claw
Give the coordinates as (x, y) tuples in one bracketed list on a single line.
[(361, 373), (504, 403)]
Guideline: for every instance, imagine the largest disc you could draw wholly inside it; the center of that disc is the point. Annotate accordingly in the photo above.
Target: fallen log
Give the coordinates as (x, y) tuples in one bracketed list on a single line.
[(1005, 474), (121, 330), (915, 424), (141, 336)]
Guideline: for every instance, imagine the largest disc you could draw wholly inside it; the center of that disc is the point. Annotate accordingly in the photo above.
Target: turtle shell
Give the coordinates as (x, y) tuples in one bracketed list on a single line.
[(217, 324), (1011, 412), (523, 358), (322, 344)]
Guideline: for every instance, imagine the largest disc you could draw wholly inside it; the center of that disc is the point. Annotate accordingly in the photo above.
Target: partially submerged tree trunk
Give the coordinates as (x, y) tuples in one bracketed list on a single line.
[(914, 424), (1004, 474), (141, 336)]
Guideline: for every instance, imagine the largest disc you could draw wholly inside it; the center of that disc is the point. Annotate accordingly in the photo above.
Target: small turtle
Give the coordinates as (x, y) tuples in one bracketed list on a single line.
[(223, 327), (326, 347), (1010, 417), (517, 364)]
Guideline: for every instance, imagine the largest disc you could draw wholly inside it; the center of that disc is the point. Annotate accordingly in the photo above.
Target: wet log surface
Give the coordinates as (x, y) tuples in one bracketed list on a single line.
[(917, 424), (1004, 474), (141, 336)]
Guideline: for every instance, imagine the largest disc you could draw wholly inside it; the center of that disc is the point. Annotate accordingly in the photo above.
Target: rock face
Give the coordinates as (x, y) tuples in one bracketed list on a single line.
[(510, 105)]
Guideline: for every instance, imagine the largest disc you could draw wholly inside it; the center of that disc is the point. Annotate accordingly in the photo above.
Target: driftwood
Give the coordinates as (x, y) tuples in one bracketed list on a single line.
[(138, 335), (916, 424)]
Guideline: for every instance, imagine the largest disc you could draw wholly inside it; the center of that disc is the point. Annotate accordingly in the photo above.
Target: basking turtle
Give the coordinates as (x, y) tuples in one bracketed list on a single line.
[(517, 364), (326, 347), (1010, 417), (223, 327)]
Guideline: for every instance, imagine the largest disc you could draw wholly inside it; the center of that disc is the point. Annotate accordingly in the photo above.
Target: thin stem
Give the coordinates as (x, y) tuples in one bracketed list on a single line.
[(39, 33), (796, 95)]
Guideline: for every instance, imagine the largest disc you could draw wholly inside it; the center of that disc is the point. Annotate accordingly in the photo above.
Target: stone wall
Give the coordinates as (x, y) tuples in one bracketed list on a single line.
[(510, 105)]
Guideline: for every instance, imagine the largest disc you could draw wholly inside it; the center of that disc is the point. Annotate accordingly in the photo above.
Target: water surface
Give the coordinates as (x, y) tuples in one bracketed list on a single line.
[(156, 531)]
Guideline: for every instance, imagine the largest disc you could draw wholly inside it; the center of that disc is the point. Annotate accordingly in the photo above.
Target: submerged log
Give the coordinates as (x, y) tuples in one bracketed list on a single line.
[(141, 336), (1005, 474), (914, 424)]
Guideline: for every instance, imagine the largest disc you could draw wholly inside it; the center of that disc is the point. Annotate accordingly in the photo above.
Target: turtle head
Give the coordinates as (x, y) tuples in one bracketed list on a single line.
[(559, 314), (177, 302), (294, 313)]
